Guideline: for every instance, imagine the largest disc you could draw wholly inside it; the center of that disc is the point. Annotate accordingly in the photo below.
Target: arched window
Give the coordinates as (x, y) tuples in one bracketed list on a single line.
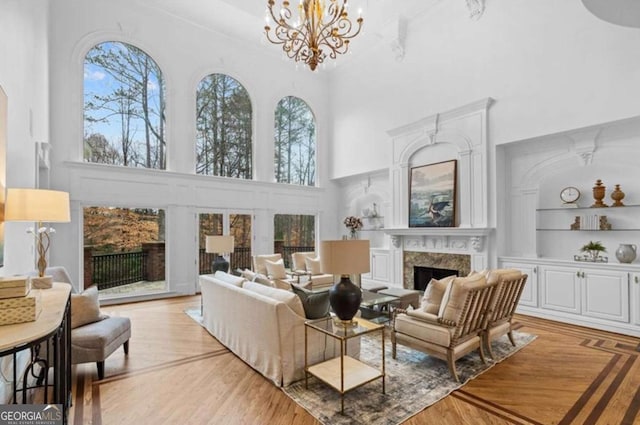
[(123, 107), (295, 142), (223, 119)]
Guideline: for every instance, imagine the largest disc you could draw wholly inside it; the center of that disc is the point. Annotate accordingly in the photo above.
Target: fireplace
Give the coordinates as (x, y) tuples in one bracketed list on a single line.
[(423, 275), (445, 265)]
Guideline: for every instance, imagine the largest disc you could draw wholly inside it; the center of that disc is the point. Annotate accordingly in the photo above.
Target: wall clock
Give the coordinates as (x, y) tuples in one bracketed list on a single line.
[(569, 195)]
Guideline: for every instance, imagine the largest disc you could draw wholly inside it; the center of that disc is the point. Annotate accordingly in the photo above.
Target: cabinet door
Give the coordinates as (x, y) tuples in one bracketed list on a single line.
[(529, 295), (560, 287), (380, 266), (605, 295), (635, 300)]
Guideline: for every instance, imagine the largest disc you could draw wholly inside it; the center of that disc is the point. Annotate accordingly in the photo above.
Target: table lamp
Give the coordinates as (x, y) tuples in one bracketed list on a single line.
[(219, 245), (40, 206), (345, 257)]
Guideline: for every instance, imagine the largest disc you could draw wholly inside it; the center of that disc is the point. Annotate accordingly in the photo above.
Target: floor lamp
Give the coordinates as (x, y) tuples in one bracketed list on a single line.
[(40, 206), (219, 245)]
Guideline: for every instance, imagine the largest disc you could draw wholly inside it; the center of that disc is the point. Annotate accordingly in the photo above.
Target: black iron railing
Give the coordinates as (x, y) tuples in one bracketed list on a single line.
[(117, 269)]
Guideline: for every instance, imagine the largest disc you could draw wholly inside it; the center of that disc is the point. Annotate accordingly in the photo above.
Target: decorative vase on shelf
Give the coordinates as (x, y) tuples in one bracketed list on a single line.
[(626, 253), (353, 233), (617, 195), (598, 194)]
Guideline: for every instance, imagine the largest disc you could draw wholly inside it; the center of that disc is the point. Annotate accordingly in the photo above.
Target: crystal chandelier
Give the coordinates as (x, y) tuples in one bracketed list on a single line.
[(318, 29)]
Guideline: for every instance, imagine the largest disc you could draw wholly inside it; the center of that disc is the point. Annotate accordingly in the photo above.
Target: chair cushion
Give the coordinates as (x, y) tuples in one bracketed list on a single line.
[(435, 334), (503, 274), (259, 262), (229, 278), (96, 341), (313, 265), (275, 269), (298, 260), (85, 307), (287, 297), (459, 289), (433, 295), (315, 304)]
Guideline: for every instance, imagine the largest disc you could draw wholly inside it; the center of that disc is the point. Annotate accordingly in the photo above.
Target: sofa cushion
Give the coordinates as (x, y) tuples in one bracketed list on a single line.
[(315, 304), (275, 269), (229, 278), (433, 295), (257, 277), (85, 307), (287, 297), (459, 289), (313, 265)]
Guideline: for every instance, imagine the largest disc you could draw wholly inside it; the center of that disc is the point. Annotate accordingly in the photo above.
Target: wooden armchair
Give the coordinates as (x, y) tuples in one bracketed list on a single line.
[(456, 329), (498, 321)]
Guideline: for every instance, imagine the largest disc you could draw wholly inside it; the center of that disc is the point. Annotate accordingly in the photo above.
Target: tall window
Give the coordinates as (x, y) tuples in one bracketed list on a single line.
[(124, 250), (293, 233), (223, 119), (295, 142), (123, 107)]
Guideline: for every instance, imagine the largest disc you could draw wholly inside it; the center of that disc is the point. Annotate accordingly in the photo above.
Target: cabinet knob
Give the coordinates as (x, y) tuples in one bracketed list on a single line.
[(637, 279), (578, 274)]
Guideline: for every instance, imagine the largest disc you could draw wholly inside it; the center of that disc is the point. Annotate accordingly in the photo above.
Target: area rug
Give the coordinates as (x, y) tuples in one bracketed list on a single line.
[(414, 381)]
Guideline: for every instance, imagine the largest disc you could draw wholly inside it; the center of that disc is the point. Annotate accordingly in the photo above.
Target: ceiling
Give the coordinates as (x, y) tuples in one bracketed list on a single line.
[(244, 19)]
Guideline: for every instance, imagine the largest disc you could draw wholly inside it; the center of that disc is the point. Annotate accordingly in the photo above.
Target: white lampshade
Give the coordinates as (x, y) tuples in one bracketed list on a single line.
[(219, 244), (51, 206), (346, 256)]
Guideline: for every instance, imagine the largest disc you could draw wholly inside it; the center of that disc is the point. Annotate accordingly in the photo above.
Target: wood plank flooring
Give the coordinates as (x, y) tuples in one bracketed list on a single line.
[(176, 373)]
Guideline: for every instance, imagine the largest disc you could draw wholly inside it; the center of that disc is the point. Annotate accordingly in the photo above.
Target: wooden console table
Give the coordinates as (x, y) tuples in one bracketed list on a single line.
[(49, 339)]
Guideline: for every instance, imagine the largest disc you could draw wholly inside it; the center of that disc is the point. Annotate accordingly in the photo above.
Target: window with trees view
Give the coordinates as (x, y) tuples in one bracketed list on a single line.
[(295, 142), (223, 119), (123, 107), (293, 233)]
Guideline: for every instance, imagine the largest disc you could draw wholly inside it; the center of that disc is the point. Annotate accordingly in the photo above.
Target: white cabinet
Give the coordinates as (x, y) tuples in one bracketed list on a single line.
[(529, 295), (635, 294), (605, 294), (560, 288), (380, 265)]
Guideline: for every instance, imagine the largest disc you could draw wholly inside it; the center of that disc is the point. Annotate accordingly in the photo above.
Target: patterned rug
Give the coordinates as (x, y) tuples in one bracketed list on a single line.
[(414, 381)]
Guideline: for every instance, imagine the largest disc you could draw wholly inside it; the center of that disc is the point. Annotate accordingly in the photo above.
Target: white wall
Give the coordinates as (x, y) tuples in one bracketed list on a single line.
[(185, 54), (24, 78), (550, 66)]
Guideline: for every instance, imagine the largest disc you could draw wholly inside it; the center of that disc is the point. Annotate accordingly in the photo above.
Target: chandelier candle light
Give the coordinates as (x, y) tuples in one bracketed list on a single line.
[(317, 25)]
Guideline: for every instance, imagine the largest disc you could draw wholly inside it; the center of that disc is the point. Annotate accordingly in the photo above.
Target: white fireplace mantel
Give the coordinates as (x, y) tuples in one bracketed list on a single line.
[(438, 231)]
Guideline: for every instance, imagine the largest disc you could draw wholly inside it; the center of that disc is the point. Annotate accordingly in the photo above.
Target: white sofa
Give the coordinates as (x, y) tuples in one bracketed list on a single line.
[(264, 326)]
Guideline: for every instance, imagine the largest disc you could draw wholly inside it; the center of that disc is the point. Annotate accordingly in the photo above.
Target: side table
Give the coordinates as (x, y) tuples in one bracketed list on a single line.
[(343, 373)]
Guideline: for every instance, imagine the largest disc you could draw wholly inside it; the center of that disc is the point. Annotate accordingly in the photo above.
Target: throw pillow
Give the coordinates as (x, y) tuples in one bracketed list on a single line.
[(432, 299), (313, 265), (263, 280), (275, 269), (315, 304), (85, 307), (459, 289), (276, 294)]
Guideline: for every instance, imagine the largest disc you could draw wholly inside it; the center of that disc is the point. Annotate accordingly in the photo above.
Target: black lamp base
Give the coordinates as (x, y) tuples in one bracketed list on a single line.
[(219, 264), (345, 298)]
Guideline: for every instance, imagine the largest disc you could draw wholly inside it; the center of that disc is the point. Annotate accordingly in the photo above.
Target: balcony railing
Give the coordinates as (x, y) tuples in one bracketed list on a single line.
[(122, 268), (117, 269)]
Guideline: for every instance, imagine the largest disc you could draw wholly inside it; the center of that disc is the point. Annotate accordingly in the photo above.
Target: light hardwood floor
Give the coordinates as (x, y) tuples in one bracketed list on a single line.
[(176, 373)]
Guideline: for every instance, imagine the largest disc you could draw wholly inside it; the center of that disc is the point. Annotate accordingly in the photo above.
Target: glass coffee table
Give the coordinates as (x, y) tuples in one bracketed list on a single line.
[(343, 373), (376, 307)]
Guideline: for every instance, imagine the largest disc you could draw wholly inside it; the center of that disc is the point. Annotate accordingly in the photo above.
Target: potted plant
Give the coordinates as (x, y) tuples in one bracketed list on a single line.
[(594, 249)]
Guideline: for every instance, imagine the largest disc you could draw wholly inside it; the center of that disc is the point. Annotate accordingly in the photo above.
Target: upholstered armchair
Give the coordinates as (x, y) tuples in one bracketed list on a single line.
[(455, 329), (510, 283), (271, 267), (307, 262)]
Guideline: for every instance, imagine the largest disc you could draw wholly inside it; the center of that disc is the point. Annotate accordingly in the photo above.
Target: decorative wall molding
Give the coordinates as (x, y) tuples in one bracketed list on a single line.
[(476, 9)]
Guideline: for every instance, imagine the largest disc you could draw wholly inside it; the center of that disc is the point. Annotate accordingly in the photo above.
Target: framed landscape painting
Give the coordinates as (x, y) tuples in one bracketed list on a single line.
[(432, 195)]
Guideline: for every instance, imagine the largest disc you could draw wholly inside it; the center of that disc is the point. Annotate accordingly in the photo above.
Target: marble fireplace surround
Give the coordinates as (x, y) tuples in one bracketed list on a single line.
[(460, 262)]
